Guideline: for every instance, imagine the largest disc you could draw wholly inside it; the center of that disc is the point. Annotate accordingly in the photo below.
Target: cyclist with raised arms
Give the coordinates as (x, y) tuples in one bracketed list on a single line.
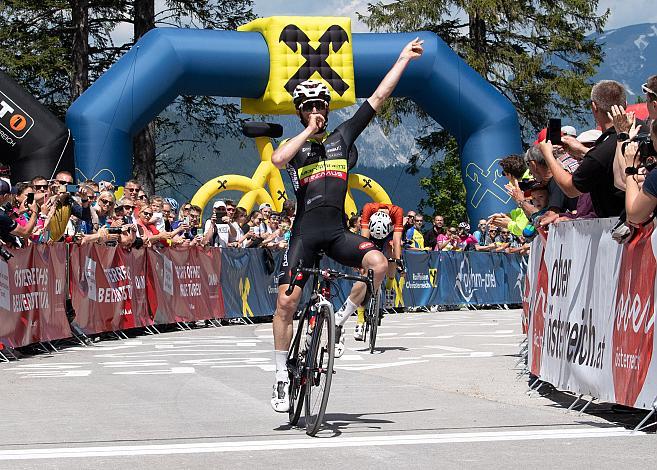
[(318, 163), (383, 224)]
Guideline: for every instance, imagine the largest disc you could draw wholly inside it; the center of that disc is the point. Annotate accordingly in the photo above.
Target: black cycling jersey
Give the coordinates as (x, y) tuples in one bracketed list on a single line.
[(319, 174), (319, 170)]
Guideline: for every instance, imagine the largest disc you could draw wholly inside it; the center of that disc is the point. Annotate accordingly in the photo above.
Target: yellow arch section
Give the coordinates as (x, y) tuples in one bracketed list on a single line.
[(230, 183), (367, 185)]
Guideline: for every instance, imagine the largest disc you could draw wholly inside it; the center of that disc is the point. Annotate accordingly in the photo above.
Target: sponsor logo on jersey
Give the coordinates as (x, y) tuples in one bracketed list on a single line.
[(323, 169), (365, 245), (13, 119)]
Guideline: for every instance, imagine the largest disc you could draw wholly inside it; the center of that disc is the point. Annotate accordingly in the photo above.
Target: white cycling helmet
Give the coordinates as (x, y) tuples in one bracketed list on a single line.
[(380, 225), (310, 90), (465, 226)]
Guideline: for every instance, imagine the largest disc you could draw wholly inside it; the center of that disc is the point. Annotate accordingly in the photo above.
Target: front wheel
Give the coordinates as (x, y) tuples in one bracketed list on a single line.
[(375, 319), (295, 367), (319, 369)]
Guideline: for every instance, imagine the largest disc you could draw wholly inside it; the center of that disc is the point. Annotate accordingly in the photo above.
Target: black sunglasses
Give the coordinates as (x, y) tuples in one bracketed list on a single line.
[(308, 106)]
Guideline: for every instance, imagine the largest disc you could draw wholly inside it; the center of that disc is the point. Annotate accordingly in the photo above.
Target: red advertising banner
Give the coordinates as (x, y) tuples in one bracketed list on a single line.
[(634, 311), (108, 288), (184, 284), (33, 295)]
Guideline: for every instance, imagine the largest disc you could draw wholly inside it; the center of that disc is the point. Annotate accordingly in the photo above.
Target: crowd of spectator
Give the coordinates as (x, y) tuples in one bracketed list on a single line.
[(45, 210), (596, 173)]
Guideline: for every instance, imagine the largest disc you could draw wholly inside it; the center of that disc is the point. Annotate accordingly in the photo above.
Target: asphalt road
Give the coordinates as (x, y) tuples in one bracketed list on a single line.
[(441, 392)]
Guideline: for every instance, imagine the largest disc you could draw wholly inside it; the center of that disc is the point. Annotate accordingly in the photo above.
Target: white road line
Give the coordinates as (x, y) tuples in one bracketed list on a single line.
[(307, 443)]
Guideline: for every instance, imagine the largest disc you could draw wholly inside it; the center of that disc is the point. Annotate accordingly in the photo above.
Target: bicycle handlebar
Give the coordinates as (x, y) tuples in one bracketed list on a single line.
[(331, 274)]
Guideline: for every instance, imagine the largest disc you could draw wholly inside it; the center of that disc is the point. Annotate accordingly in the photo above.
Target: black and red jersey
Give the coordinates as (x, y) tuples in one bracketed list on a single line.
[(320, 169)]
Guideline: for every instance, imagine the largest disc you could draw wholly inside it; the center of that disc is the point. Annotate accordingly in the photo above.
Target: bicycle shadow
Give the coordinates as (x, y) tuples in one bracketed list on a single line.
[(382, 349), (336, 423)]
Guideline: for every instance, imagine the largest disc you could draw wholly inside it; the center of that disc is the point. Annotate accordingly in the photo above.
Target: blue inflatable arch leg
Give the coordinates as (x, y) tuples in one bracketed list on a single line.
[(168, 62)]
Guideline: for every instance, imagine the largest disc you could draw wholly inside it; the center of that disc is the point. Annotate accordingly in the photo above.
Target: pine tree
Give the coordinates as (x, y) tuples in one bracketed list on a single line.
[(535, 52), (56, 48)]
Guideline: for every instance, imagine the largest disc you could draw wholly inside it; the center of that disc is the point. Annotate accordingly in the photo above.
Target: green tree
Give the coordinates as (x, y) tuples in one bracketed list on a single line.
[(56, 48), (444, 187), (535, 52)]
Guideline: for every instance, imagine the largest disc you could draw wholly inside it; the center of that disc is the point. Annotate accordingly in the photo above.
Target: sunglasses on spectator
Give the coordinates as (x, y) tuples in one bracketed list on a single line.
[(652, 94), (230, 209), (106, 201), (40, 186), (419, 220), (186, 208), (64, 182), (128, 207), (143, 196), (132, 190), (147, 213), (308, 106)]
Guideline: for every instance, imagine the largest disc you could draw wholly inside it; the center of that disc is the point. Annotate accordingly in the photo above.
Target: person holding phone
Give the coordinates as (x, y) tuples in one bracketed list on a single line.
[(595, 174), (515, 170)]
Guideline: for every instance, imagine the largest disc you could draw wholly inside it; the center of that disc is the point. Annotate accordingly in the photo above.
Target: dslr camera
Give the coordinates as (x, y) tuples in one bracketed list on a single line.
[(646, 151)]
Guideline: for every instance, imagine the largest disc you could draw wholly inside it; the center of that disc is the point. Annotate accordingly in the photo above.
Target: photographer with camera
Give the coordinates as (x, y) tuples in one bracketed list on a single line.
[(216, 227), (9, 228), (63, 193), (641, 188)]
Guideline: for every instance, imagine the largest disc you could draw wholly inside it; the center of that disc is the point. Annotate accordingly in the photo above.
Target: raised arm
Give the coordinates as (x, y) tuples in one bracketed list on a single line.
[(411, 51)]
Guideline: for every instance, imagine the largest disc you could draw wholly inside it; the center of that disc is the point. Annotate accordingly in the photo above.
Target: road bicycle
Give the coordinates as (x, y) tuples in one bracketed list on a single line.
[(312, 352)]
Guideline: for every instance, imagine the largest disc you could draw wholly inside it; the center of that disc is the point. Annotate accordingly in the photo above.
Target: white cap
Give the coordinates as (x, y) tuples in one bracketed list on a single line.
[(589, 136), (263, 205), (218, 204), (569, 130)]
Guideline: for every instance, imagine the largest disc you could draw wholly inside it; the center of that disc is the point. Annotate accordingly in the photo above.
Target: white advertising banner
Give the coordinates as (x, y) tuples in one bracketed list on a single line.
[(592, 314)]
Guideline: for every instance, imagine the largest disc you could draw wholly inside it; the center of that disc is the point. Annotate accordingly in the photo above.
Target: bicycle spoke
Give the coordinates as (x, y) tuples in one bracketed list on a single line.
[(320, 370)]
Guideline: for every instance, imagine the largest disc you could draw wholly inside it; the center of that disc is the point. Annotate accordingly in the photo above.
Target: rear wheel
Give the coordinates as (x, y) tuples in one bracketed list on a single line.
[(319, 369), (375, 319)]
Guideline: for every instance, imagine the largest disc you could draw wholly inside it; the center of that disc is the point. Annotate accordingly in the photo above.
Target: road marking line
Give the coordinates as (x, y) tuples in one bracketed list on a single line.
[(306, 443), (447, 348)]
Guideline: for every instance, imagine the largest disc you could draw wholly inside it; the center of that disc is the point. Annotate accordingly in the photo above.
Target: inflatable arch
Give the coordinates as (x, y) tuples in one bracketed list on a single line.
[(168, 62)]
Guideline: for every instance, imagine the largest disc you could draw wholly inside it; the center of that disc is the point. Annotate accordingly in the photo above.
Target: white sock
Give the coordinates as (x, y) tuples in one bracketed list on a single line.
[(347, 310), (281, 366)]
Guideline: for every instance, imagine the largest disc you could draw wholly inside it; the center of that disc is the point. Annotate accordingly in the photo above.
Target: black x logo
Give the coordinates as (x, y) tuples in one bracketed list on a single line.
[(281, 195), (315, 58), (368, 183), (222, 184)]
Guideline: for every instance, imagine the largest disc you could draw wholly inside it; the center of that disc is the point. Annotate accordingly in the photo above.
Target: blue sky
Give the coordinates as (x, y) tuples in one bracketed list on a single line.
[(623, 12)]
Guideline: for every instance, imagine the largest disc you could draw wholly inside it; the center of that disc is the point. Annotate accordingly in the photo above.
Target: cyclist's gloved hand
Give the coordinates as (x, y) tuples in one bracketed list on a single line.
[(401, 266)]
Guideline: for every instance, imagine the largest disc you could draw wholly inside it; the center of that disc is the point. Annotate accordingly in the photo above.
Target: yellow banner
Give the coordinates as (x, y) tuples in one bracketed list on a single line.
[(302, 48), (330, 165)]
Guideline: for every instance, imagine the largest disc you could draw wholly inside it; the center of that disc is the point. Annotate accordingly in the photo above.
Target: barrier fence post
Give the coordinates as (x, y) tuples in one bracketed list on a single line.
[(640, 427), (586, 406)]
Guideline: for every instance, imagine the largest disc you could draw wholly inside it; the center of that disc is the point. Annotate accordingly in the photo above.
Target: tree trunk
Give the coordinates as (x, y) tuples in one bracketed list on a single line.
[(143, 144), (80, 50), (477, 37)]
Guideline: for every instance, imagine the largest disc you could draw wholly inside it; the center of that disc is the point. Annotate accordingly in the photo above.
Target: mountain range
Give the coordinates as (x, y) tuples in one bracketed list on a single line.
[(630, 56)]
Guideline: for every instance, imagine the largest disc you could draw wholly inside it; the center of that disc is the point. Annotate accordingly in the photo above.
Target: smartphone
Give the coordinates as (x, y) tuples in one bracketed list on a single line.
[(186, 220), (29, 199), (71, 188), (554, 131)]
